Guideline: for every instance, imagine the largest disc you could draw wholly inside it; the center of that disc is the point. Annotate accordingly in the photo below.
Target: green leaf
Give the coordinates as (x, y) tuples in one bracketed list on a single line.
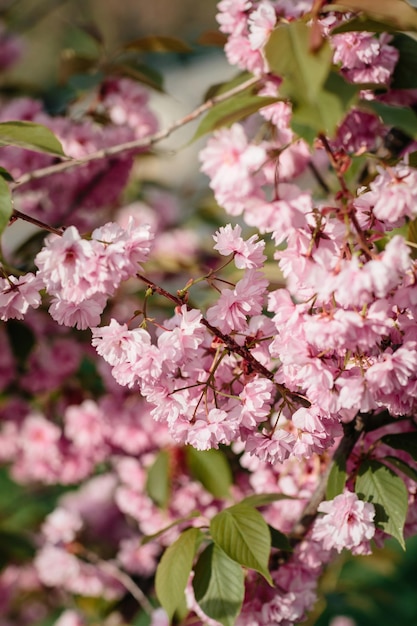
[(6, 175), (398, 13), (30, 136), (230, 111), (218, 585), (403, 441), (364, 23), (378, 484), (263, 499), (22, 339), (158, 483), (402, 467), (289, 56), (139, 72), (412, 159), (212, 469), (243, 534), (400, 117), (174, 570), (412, 231), (6, 206), (279, 540), (337, 479), (158, 43), (323, 115), (405, 72)]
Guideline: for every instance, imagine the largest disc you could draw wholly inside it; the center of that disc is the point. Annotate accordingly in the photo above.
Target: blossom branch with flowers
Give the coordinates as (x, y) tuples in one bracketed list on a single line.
[(223, 454)]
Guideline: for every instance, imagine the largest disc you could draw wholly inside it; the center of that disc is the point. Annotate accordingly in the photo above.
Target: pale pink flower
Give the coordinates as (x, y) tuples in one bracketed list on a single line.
[(233, 15), (38, 435), (137, 558), (235, 305), (230, 161), (274, 449), (347, 523), (159, 618), (61, 525), (18, 294), (247, 254), (85, 426), (63, 262), (117, 344), (82, 315), (261, 23), (126, 103), (365, 58), (393, 370), (56, 567)]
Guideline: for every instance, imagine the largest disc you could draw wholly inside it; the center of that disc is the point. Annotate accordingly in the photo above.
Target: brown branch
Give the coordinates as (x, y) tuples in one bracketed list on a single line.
[(111, 568), (32, 220), (231, 345), (144, 142)]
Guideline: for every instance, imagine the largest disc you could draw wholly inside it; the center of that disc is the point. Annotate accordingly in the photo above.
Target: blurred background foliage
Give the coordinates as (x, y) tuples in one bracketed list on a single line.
[(380, 590)]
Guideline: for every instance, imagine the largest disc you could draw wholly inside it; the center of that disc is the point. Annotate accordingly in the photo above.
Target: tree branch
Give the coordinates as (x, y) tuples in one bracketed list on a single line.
[(232, 345), (144, 142)]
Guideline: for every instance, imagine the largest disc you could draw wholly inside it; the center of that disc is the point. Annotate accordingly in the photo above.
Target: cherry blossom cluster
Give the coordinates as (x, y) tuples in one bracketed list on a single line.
[(309, 328)]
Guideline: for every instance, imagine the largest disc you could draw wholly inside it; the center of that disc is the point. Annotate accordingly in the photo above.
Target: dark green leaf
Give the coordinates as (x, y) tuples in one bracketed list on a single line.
[(174, 570), (412, 233), (6, 175), (212, 469), (402, 467), (158, 43), (378, 484), (22, 339), (405, 72), (330, 106), (243, 534), (289, 56), (230, 111), (218, 585), (141, 73), (263, 499), (412, 159), (403, 441), (30, 136), (6, 206), (85, 82), (364, 23), (400, 117), (398, 13), (337, 479), (158, 483), (15, 548), (279, 540)]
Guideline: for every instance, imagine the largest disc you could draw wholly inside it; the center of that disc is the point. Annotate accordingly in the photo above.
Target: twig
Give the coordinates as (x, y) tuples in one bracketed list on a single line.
[(144, 142), (32, 220), (231, 345), (110, 567)]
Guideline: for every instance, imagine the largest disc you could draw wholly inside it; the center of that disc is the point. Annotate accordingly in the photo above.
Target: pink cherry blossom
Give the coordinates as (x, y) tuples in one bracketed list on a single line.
[(347, 523)]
